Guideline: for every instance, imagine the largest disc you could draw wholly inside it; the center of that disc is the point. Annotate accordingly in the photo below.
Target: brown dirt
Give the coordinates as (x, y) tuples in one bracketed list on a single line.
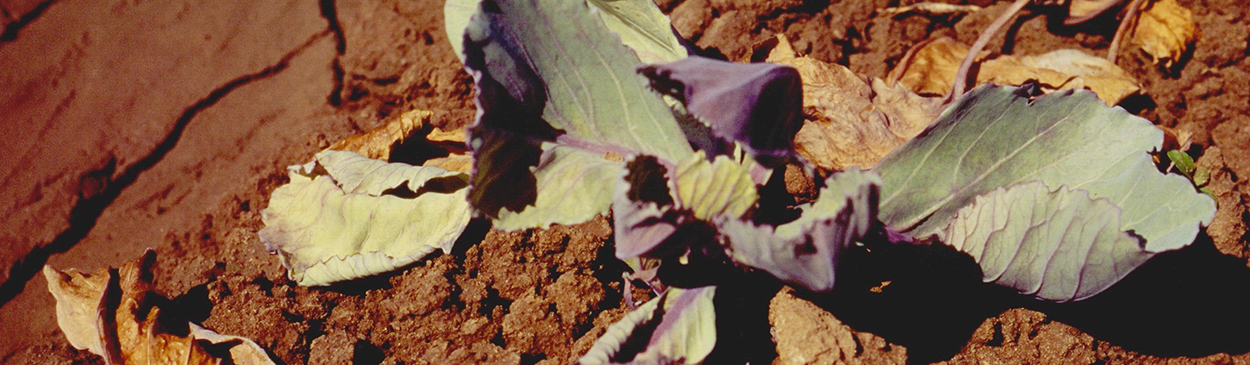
[(166, 124)]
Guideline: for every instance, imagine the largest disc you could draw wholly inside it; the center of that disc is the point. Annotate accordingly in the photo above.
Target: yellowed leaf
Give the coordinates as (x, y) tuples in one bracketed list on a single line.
[(852, 122), (931, 69), (113, 314), (78, 297), (379, 143), (1080, 11), (1165, 31)]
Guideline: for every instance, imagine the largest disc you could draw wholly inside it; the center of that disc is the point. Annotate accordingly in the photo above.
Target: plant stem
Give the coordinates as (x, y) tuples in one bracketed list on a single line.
[(1130, 17), (961, 77)]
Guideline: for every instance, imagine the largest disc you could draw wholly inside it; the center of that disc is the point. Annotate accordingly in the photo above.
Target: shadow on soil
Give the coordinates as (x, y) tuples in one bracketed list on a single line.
[(1191, 302)]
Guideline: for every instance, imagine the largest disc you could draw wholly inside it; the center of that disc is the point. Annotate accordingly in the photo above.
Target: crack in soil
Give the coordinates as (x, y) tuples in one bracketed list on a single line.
[(329, 11), (10, 30), (90, 207)]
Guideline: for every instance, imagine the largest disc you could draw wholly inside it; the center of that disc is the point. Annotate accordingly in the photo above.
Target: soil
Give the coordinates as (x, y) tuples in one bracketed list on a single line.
[(132, 124)]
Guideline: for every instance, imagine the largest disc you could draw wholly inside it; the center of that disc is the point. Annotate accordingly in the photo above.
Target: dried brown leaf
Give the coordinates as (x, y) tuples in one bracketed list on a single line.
[(931, 69), (852, 122), (114, 314), (1080, 11), (1165, 31), (379, 143)]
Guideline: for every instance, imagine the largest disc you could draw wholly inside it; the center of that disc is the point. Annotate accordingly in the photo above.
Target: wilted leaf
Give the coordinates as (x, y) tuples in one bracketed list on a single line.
[(378, 143), (931, 71), (1165, 31), (344, 216), (804, 251), (856, 121), (78, 298), (114, 314), (994, 137), (678, 327), (555, 100), (1056, 245), (1080, 11)]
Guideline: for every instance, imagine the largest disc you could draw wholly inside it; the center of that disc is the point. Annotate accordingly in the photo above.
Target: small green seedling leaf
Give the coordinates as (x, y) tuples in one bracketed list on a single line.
[(1183, 162), (1201, 176)]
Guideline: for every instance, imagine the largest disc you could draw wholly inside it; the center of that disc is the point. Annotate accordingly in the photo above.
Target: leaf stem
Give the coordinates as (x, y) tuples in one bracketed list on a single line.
[(1130, 17), (960, 85)]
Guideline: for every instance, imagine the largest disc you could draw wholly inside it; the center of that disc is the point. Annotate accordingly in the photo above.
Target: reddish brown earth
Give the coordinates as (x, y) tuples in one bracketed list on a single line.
[(131, 124)]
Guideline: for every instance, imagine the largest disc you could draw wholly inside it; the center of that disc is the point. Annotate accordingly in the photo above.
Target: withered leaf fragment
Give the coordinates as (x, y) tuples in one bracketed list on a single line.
[(931, 68), (115, 314), (851, 122), (1165, 31)]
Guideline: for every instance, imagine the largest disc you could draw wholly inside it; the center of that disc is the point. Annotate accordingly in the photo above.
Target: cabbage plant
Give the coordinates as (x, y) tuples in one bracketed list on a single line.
[(595, 107)]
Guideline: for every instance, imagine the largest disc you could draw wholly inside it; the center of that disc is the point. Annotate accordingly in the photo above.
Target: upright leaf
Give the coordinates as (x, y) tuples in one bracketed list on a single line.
[(996, 137), (549, 75), (643, 27)]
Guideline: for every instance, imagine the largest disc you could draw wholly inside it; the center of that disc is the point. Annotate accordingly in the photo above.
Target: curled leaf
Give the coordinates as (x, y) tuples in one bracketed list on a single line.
[(853, 122), (931, 70), (678, 327), (115, 314), (1165, 31), (804, 252), (344, 216), (1057, 245), (378, 143), (758, 105)]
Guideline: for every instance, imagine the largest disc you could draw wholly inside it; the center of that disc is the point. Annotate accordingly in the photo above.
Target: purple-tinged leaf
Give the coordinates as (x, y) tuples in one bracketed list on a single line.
[(804, 252), (759, 105), (678, 327)]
